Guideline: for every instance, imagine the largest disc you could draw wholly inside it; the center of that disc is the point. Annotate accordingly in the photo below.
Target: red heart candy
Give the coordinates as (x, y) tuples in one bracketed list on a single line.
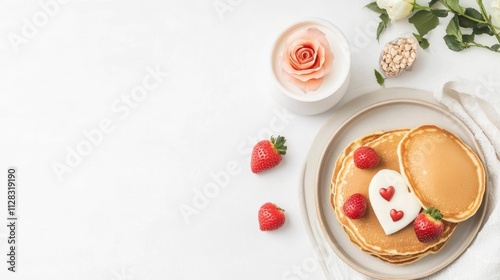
[(396, 215), (387, 193)]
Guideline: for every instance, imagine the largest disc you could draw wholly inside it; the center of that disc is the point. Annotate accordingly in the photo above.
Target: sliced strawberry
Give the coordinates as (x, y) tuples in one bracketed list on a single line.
[(428, 225), (365, 157), (355, 206), (271, 217), (266, 154)]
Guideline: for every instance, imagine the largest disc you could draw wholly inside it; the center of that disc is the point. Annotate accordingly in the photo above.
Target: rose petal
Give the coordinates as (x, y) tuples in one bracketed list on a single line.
[(309, 34), (315, 72), (292, 53), (297, 63), (305, 55), (327, 66), (307, 86), (311, 85), (306, 59), (312, 66)]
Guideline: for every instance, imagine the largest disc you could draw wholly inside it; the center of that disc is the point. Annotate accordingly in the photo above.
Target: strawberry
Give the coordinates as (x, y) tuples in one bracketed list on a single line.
[(365, 157), (355, 206), (428, 225), (271, 217), (266, 154)]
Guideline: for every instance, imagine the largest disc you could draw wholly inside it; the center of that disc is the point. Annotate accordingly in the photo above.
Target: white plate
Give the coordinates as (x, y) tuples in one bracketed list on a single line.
[(384, 109)]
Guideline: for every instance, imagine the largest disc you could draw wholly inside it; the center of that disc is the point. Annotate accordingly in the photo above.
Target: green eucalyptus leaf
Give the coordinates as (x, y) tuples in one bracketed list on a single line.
[(495, 47), (440, 13), (424, 21), (374, 7), (379, 77), (453, 29), (455, 6), (453, 43)]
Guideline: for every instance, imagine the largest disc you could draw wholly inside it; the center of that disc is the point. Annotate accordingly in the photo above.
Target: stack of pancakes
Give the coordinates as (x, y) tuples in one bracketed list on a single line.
[(439, 169)]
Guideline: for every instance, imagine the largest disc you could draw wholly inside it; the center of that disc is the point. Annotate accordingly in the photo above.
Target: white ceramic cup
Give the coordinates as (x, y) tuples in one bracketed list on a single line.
[(334, 84)]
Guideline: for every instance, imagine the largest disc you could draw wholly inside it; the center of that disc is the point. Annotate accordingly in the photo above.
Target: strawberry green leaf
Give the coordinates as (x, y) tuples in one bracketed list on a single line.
[(279, 144), (434, 213)]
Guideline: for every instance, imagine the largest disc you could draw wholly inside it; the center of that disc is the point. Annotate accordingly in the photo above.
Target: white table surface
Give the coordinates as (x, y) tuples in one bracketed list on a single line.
[(132, 204)]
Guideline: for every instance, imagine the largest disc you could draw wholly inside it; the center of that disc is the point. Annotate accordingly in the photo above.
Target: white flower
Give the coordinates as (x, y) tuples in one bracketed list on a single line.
[(495, 10), (397, 9)]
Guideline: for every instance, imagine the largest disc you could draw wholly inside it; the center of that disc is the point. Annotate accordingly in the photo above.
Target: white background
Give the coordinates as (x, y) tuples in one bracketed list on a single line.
[(115, 212)]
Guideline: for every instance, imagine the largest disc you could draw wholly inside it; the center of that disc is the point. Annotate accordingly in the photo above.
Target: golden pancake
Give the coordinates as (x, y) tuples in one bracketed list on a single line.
[(394, 259), (442, 171), (367, 233), (403, 259), (406, 259)]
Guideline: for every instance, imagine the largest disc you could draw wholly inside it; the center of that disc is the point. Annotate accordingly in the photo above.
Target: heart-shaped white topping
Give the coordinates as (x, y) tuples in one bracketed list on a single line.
[(394, 205)]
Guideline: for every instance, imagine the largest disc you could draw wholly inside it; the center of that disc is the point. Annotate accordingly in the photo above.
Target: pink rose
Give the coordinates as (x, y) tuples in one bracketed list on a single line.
[(307, 59)]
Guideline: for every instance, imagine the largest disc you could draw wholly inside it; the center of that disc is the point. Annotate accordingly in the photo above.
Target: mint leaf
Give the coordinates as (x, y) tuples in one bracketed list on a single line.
[(379, 77), (374, 7), (424, 21), (453, 29), (453, 43)]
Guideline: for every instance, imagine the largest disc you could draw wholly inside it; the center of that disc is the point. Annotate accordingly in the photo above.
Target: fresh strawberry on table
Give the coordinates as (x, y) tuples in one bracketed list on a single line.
[(355, 206), (428, 225), (271, 217), (365, 157), (266, 154)]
